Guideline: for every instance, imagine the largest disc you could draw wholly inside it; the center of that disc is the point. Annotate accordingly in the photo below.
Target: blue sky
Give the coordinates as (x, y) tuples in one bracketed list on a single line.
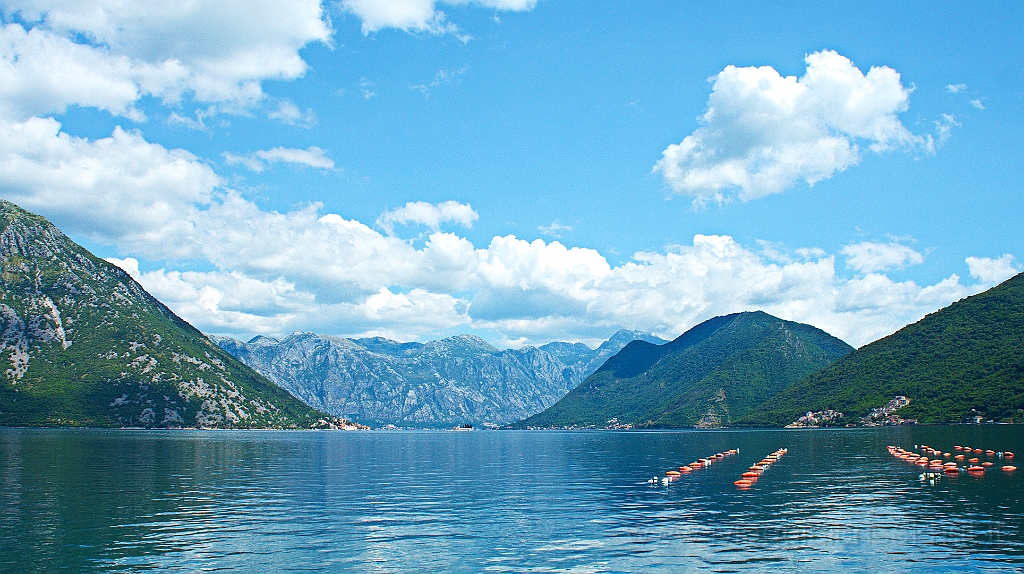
[(526, 171)]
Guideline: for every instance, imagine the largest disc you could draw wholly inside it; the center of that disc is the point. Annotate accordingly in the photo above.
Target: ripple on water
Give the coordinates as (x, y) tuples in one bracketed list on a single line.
[(496, 501)]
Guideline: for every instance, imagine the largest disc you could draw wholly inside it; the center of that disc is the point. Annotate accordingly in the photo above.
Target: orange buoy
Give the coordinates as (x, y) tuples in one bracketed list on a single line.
[(977, 451), (672, 473), (972, 460), (922, 462), (685, 469), (986, 464), (1007, 454), (958, 447), (750, 474), (744, 483), (990, 453), (1009, 468), (958, 457), (976, 469), (951, 470)]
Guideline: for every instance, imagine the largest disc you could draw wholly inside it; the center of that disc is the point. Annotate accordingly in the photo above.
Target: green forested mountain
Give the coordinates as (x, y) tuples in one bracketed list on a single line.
[(963, 361), (81, 343), (713, 374)]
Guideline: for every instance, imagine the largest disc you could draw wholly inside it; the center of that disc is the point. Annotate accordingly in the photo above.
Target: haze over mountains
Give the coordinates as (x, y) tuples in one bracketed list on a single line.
[(457, 380), (82, 344)]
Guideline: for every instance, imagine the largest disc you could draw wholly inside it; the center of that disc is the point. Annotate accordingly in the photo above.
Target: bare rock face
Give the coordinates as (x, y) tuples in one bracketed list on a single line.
[(83, 344), (456, 380)]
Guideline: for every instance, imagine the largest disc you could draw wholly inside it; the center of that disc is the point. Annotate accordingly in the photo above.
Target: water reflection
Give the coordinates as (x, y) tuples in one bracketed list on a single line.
[(89, 500)]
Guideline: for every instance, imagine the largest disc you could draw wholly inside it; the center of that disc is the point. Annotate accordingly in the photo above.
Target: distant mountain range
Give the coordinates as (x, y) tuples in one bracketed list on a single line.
[(963, 363), (709, 376), (452, 381), (83, 344)]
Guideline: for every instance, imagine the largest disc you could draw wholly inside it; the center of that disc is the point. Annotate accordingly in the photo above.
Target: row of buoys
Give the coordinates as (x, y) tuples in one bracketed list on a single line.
[(673, 475), (747, 479), (947, 467), (987, 452)]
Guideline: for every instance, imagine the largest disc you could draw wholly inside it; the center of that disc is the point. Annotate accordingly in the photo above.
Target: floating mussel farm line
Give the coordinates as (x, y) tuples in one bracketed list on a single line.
[(701, 463), (963, 459), (746, 480), (749, 478)]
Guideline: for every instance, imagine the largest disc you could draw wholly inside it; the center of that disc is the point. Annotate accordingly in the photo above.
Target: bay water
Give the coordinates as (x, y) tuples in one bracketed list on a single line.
[(85, 500)]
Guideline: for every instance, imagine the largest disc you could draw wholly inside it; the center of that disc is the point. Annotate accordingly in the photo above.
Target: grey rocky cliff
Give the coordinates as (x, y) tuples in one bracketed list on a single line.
[(457, 380)]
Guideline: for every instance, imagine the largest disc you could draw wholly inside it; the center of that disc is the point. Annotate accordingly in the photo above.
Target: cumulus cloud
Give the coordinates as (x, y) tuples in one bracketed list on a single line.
[(117, 188), (524, 291), (763, 132), (419, 15), (992, 271), (213, 50), (45, 73), (273, 273), (312, 156), (955, 88), (871, 257), (429, 215)]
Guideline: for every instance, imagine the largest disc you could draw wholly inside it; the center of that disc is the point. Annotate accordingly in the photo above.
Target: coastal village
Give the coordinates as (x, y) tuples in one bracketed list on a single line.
[(882, 416)]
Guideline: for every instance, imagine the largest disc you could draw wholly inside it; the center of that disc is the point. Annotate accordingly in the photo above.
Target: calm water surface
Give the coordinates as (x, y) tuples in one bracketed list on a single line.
[(186, 501)]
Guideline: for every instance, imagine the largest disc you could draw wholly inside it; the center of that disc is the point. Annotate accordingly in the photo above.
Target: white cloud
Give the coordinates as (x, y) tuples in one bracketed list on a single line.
[(943, 129), (119, 188), (442, 77), (419, 15), (214, 50), (271, 272), (992, 271), (763, 132), (366, 89), (42, 73), (289, 113), (428, 214), (977, 104), (871, 257), (279, 272), (955, 88), (311, 157), (536, 292), (554, 230)]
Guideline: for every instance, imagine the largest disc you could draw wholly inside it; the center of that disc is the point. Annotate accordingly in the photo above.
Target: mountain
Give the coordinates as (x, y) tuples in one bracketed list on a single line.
[(961, 362), (710, 375), (456, 380), (83, 344)]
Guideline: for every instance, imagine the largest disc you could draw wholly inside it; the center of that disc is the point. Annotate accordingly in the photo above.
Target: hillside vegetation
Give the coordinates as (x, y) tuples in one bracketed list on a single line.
[(961, 362), (83, 344), (711, 375)]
